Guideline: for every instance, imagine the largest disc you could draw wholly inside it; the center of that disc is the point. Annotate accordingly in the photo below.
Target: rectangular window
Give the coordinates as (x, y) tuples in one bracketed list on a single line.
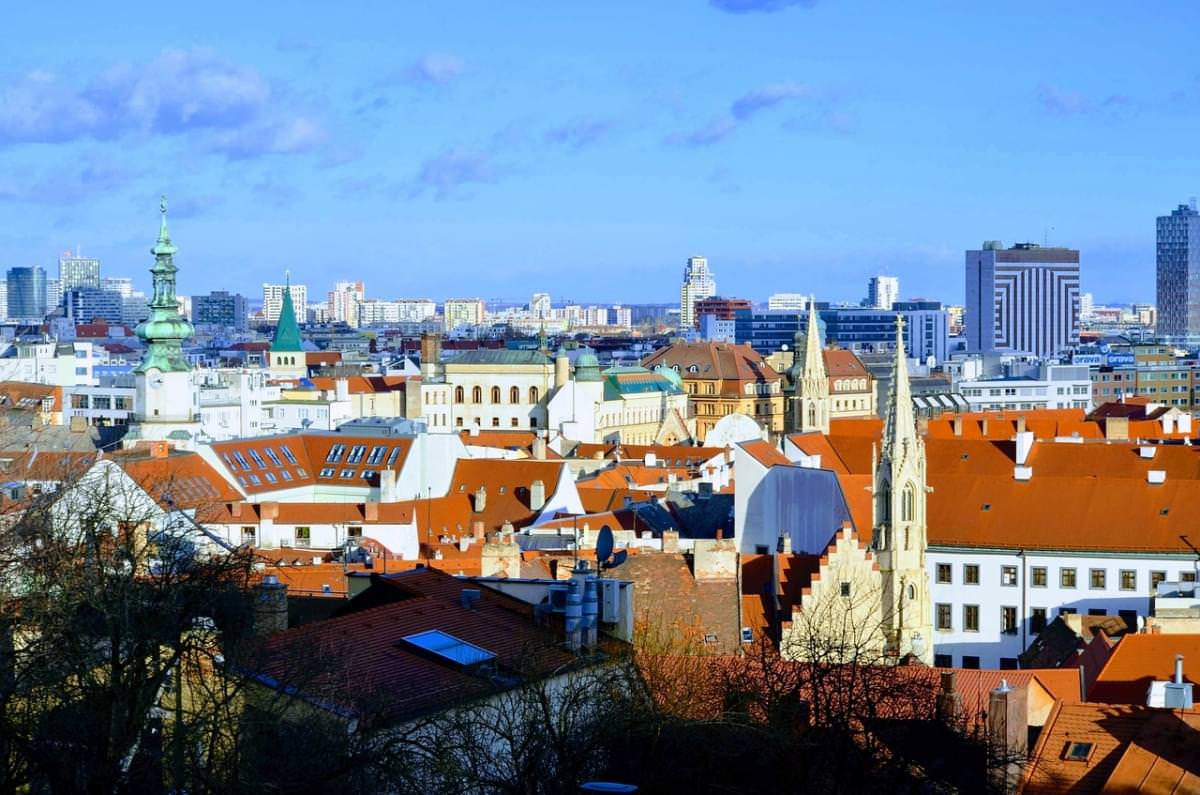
[(335, 453), (970, 662), (943, 618), (1097, 579), (971, 618), (328, 472), (971, 573), (1155, 578), (303, 533), (1067, 611), (1008, 620), (1097, 611), (944, 573), (1187, 576), (1037, 577), (943, 661), (1037, 619), (258, 459), (377, 454), (270, 451), (288, 454), (286, 474), (354, 532), (254, 479), (356, 453), (1008, 575), (1066, 578), (495, 422), (241, 459), (270, 476), (392, 456), (1128, 580), (247, 534), (348, 474), (1008, 663)]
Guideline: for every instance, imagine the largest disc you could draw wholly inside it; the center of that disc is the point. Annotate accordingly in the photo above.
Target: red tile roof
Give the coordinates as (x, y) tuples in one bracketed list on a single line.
[(506, 483), (313, 459), (733, 365), (374, 674), (765, 453), (631, 475), (1139, 660)]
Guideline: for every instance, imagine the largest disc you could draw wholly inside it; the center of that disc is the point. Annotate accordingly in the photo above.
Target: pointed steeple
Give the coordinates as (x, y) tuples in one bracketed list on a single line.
[(810, 404), (900, 425), (165, 330), (287, 330)]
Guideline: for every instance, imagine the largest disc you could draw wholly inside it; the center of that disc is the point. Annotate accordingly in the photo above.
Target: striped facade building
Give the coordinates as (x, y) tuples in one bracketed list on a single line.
[(1024, 298)]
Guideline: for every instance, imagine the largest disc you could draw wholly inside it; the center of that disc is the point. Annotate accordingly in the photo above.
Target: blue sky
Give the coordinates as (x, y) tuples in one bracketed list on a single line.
[(495, 149)]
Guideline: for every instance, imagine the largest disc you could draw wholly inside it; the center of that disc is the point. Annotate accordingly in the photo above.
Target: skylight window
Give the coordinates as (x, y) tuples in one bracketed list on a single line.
[(377, 454), (254, 479), (356, 453), (335, 453), (241, 459), (288, 454), (271, 454), (394, 455), (348, 474), (270, 476), (446, 647), (987, 506), (1079, 752), (286, 474), (327, 472), (258, 459)]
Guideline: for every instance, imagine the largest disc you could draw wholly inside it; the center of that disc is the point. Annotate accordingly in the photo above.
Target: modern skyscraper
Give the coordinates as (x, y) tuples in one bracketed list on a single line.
[(273, 300), (220, 309), (27, 294), (76, 271), (1024, 298), (1178, 260), (698, 283), (883, 291), (344, 302)]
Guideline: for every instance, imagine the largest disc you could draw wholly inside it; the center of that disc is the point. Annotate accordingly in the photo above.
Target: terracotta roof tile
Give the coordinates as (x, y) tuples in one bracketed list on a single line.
[(1139, 660)]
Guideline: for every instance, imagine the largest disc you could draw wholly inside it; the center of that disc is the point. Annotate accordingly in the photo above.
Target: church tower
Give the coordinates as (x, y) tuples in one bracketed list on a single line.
[(900, 538), (287, 354), (810, 403), (166, 402)]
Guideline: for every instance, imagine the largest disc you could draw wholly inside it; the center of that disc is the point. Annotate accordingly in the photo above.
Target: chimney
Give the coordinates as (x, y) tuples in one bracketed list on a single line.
[(1116, 429), (949, 704), (268, 510), (983, 425), (574, 615), (431, 353), (480, 499), (370, 511), (1020, 425), (235, 510), (539, 448), (387, 485), (1008, 736), (670, 541), (159, 450), (1178, 693), (537, 495), (1024, 444), (271, 606), (500, 557), (958, 426), (477, 530)]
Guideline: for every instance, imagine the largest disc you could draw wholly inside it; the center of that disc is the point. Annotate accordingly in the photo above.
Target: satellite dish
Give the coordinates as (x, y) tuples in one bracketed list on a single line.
[(617, 559), (604, 544)]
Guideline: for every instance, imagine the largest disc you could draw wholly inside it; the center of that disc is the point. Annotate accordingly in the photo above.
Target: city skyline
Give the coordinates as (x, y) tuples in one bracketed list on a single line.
[(834, 152)]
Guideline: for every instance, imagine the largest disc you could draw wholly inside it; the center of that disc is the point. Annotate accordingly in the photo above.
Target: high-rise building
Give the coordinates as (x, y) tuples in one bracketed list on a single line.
[(92, 305), (721, 308), (344, 301), (75, 271), (1178, 261), (539, 305), (462, 312), (54, 293), (273, 299), (27, 294), (698, 283), (621, 316), (882, 291), (1024, 298), (221, 309), (118, 284), (787, 302)]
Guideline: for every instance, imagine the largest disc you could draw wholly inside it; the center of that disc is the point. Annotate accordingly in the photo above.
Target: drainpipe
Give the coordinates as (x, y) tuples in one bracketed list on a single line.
[(1024, 609)]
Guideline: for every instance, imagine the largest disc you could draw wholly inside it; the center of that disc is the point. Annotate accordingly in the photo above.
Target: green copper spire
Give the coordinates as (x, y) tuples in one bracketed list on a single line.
[(287, 330), (165, 330)]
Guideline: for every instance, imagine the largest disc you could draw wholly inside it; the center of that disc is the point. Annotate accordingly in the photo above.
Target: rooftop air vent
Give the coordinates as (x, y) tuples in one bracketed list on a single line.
[(1156, 477)]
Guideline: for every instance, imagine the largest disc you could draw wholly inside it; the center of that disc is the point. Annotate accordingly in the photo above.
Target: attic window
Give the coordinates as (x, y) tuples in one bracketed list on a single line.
[(965, 456), (1078, 752), (987, 506), (1163, 511)]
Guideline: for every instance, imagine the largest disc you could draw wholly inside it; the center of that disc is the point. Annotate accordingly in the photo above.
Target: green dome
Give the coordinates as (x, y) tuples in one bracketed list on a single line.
[(587, 367)]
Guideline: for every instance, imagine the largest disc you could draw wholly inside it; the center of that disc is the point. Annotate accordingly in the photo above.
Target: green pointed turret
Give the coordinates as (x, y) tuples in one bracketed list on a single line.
[(165, 330), (287, 330)]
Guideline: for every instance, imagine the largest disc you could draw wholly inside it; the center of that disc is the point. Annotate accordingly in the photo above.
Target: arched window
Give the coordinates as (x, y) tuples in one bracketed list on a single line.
[(912, 592), (533, 394), (885, 504), (514, 395), (812, 414), (477, 395), (459, 395), (908, 503), (495, 394)]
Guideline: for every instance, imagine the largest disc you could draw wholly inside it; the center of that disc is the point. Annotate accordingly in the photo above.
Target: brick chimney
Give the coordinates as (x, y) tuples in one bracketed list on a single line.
[(371, 511), (478, 531), (949, 702), (500, 557), (271, 606), (1008, 736)]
